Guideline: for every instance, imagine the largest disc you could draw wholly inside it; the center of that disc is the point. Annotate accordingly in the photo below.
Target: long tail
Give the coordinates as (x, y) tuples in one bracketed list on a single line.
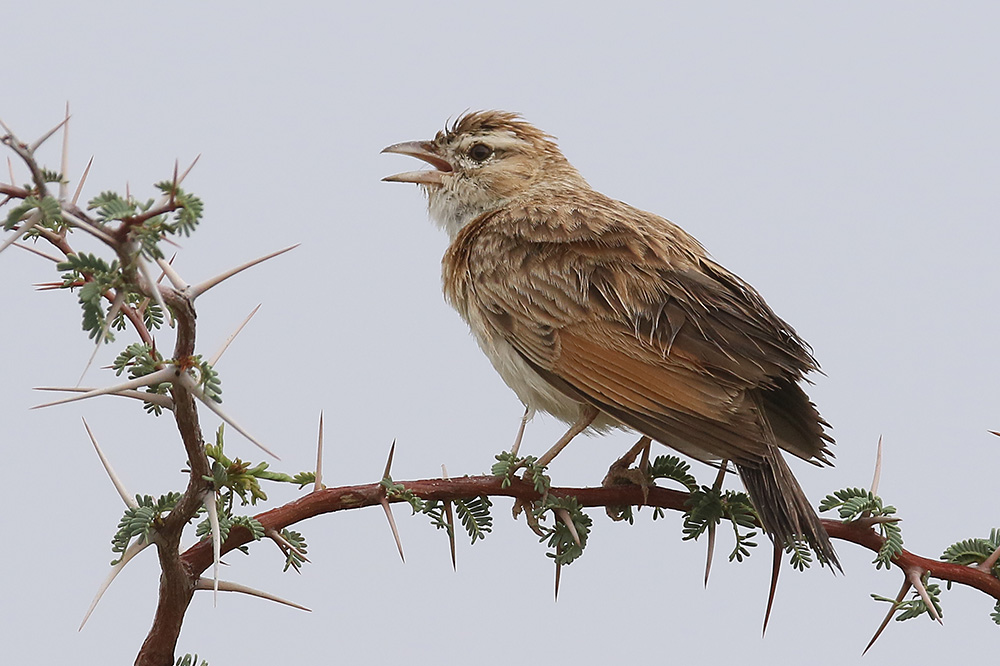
[(783, 507)]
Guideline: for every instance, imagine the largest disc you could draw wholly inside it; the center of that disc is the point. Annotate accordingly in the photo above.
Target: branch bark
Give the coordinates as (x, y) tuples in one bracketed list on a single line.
[(329, 500)]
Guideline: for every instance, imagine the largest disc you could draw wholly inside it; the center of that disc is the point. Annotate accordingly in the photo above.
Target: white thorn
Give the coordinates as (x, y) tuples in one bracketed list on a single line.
[(35, 146), (115, 479), (558, 572), (188, 170), (64, 162), (987, 564), (878, 468), (134, 549), (568, 521), (275, 536), (318, 482), (200, 289), (10, 170), (228, 586), (888, 616), (225, 345), (172, 275), (167, 374), (116, 306), (163, 401), (35, 250), (213, 520), (154, 288), (913, 575), (388, 461), (29, 224), (191, 385), (216, 534), (87, 226), (165, 199), (450, 518), (392, 526), (83, 179)]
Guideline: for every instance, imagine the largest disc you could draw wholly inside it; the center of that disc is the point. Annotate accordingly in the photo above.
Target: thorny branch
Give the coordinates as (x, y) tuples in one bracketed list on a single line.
[(181, 572), (329, 500), (177, 585)]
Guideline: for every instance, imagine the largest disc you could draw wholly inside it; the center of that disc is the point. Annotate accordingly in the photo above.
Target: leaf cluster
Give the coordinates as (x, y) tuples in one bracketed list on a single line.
[(558, 536), (46, 207), (974, 551), (227, 521), (801, 554), (674, 469), (94, 277), (147, 227), (473, 512), (507, 465), (709, 506), (233, 477), (190, 660), (915, 607), (208, 378), (294, 556), (140, 359), (856, 503), (140, 521)]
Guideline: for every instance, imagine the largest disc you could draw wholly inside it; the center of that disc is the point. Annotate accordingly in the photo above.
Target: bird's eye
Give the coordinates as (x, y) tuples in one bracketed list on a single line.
[(480, 152)]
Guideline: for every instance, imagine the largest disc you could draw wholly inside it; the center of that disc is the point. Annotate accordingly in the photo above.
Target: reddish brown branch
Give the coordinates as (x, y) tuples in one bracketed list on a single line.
[(176, 580), (199, 556)]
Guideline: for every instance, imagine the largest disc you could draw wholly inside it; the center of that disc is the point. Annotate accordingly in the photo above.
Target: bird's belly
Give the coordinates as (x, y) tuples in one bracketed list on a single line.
[(531, 389)]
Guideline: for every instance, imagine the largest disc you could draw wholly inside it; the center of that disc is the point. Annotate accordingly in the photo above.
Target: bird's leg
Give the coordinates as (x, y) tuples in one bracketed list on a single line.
[(620, 474), (587, 416), (529, 413)]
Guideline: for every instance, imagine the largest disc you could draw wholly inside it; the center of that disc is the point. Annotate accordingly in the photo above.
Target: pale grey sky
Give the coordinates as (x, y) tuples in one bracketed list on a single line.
[(843, 158)]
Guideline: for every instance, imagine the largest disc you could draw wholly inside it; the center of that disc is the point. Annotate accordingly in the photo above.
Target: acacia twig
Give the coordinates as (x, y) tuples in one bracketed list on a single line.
[(199, 557)]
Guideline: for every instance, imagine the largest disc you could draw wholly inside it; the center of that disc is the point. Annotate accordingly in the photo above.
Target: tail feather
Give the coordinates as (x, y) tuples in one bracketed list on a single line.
[(783, 508)]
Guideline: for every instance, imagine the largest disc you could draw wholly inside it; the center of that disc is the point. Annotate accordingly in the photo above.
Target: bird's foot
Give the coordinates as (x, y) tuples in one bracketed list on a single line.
[(621, 473)]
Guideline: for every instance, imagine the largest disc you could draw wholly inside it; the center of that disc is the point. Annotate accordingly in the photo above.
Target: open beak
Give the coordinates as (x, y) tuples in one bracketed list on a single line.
[(422, 150)]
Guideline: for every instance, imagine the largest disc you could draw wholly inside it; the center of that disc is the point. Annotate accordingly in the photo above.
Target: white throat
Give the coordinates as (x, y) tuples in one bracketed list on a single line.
[(452, 212)]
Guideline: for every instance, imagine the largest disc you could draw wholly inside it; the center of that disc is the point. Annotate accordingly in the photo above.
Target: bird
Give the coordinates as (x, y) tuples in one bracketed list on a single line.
[(610, 317)]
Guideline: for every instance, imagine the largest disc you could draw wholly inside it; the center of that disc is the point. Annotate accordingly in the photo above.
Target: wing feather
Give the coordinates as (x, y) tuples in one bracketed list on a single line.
[(626, 311)]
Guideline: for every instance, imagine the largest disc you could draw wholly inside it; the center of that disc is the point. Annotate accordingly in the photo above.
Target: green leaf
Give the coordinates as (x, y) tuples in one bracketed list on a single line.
[(558, 535), (974, 551), (475, 516), (190, 660), (47, 207), (141, 520), (855, 503), (190, 210), (915, 607), (675, 469), (801, 554), (708, 506), (294, 559)]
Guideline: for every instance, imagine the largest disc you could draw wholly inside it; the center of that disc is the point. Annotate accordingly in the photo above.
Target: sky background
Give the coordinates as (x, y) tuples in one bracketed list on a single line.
[(842, 157)]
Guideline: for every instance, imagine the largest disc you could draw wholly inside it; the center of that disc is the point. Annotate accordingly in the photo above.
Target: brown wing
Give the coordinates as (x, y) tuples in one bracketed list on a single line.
[(624, 310)]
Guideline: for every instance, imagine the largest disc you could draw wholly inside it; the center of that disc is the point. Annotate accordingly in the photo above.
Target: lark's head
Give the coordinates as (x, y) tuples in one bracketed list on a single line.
[(483, 161)]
